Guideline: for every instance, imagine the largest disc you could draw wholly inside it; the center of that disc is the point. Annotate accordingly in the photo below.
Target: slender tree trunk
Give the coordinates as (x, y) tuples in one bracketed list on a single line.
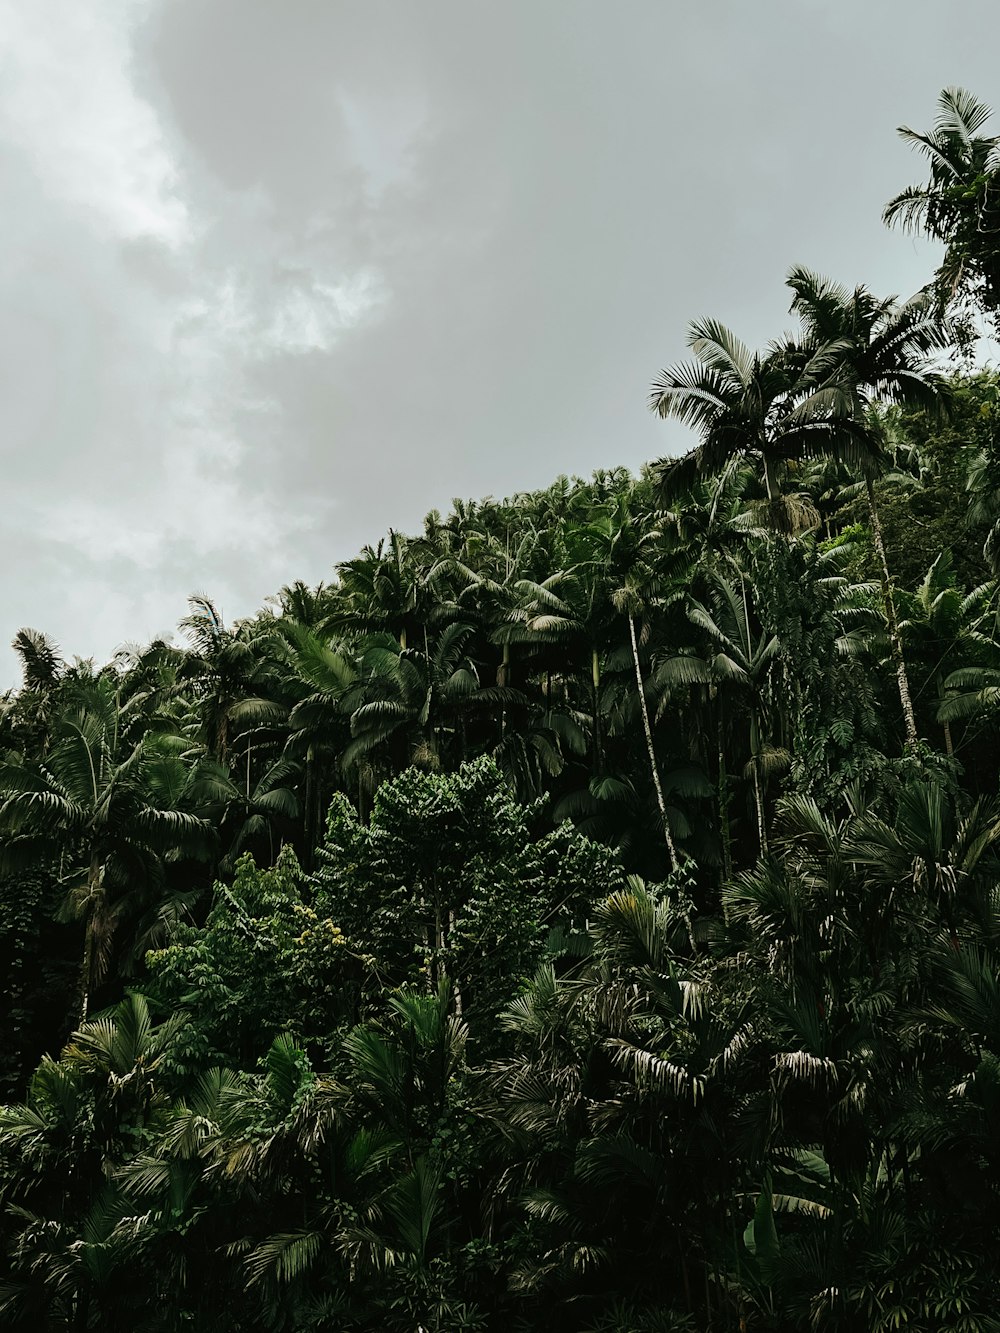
[(723, 802), (86, 968), (81, 1313), (892, 624), (503, 675), (503, 679), (949, 748), (654, 770), (595, 686), (455, 983), (686, 1278), (758, 790), (770, 481), (94, 888), (308, 814)]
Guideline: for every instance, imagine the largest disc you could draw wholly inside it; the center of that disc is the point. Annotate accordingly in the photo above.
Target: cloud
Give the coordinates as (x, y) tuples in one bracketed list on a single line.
[(68, 103), (277, 277)]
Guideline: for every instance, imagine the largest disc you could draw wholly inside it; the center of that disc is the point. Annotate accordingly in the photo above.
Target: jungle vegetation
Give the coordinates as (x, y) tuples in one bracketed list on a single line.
[(581, 915)]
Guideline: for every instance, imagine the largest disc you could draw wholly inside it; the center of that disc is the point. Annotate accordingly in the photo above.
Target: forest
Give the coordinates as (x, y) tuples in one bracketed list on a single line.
[(581, 915)]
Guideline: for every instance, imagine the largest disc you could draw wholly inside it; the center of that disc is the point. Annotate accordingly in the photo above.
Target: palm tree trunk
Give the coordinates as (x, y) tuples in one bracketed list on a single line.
[(308, 819), (89, 933), (723, 804), (949, 747), (758, 790), (81, 1313), (503, 679), (770, 480), (892, 624), (86, 967), (671, 849), (595, 686), (456, 985)]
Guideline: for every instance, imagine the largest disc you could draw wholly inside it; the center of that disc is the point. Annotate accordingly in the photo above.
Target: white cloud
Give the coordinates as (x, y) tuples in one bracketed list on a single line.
[(275, 276), (66, 98), (314, 314)]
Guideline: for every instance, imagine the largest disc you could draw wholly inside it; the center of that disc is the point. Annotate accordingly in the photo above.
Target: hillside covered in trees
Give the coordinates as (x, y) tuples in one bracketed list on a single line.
[(583, 914)]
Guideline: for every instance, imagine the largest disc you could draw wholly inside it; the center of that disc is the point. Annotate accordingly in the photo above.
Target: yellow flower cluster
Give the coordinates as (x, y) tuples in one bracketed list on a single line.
[(325, 928)]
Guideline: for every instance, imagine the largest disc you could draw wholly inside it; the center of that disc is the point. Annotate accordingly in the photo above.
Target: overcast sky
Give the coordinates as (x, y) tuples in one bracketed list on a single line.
[(276, 275)]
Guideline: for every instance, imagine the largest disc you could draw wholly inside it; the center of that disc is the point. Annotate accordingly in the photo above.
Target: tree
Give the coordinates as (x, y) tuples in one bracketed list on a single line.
[(960, 202), (66, 1233), (447, 880), (878, 351), (108, 806), (769, 410)]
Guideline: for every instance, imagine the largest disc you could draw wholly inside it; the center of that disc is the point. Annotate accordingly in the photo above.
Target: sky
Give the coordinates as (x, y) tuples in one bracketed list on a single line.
[(278, 276)]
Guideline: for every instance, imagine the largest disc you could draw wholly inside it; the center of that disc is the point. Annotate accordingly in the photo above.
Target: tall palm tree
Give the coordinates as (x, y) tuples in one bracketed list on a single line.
[(766, 409), (385, 588), (960, 202), (221, 670), (108, 805), (420, 694), (739, 659), (878, 350), (945, 625), (66, 1234)]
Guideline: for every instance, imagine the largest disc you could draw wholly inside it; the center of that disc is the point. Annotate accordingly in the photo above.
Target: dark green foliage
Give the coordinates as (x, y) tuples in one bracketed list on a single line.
[(960, 202), (38, 961)]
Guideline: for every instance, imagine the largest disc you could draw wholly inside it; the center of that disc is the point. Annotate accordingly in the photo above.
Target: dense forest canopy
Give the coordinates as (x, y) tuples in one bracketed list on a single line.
[(583, 914)]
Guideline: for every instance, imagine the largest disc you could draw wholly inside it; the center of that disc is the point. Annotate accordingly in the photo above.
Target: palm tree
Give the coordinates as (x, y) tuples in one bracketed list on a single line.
[(945, 626), (385, 588), (420, 694), (767, 410), (66, 1228), (108, 805), (252, 810), (221, 671), (740, 657), (878, 351), (26, 717), (960, 203), (935, 850)]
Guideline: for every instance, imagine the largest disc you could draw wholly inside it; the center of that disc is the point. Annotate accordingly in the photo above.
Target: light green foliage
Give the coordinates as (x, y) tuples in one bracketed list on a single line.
[(264, 962), (447, 880)]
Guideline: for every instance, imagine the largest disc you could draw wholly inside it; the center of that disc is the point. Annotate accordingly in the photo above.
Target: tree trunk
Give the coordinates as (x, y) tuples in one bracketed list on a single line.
[(770, 480), (758, 790), (503, 679), (671, 849), (504, 672), (94, 888), (722, 783), (85, 970), (595, 686), (902, 680), (308, 814), (456, 985), (949, 747)]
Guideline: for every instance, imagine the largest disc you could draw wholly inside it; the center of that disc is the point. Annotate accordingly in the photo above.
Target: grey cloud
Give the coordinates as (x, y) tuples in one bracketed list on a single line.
[(533, 200)]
